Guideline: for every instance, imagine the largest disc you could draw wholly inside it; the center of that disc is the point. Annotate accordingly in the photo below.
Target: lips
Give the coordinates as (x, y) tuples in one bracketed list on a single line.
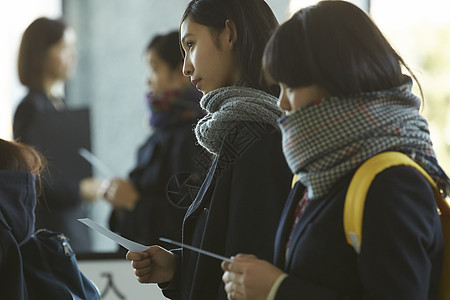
[(195, 82)]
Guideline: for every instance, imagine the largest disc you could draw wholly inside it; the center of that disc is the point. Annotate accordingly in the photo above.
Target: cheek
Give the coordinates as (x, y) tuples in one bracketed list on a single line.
[(162, 82), (53, 64), (64, 63), (192, 59)]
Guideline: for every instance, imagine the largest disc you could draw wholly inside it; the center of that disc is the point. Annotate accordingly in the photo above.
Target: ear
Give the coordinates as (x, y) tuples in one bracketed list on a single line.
[(231, 32)]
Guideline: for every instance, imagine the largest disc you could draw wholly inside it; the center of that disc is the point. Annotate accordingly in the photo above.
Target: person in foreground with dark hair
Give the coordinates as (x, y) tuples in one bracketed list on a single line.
[(239, 204), (346, 101), (20, 166), (142, 210)]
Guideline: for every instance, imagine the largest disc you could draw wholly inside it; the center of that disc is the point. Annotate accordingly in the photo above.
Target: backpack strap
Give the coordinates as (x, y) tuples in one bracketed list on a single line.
[(359, 186), (294, 180)]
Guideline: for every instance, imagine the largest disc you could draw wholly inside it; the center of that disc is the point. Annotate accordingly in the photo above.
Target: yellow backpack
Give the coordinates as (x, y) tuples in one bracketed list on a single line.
[(356, 196)]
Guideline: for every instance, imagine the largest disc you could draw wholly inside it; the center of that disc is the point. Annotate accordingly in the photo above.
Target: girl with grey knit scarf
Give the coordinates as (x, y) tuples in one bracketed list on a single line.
[(239, 204), (347, 101)]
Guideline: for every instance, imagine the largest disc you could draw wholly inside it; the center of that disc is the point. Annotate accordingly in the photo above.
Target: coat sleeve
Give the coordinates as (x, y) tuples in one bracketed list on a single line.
[(171, 290), (401, 248)]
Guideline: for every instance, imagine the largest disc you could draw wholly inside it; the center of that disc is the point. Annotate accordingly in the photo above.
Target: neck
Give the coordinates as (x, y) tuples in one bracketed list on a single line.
[(48, 85), (53, 89)]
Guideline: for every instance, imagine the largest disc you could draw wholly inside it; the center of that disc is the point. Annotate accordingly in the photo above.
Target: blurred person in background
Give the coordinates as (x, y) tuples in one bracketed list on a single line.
[(142, 210), (46, 59)]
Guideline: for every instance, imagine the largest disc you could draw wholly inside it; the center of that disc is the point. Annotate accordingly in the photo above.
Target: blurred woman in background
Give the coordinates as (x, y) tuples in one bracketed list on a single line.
[(46, 60)]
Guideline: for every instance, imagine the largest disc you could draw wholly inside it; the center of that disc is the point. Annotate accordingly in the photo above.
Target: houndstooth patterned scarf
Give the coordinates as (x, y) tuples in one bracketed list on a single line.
[(330, 138), (227, 105)]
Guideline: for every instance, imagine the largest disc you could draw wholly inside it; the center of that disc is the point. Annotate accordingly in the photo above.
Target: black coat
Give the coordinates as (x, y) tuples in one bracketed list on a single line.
[(401, 250), (17, 201), (237, 210), (60, 204), (168, 153)]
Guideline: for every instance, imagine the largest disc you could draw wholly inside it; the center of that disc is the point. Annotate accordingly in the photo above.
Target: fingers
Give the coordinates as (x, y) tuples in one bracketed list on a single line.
[(245, 256), (103, 188), (235, 296), (143, 270), (242, 258), (136, 255), (235, 266), (110, 190), (234, 291), (142, 265), (239, 258), (225, 265)]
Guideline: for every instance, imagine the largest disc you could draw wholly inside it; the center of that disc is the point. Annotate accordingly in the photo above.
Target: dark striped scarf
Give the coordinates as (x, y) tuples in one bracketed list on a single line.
[(328, 139), (174, 107)]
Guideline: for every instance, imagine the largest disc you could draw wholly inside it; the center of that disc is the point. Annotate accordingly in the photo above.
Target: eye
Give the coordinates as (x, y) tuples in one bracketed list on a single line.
[(189, 44)]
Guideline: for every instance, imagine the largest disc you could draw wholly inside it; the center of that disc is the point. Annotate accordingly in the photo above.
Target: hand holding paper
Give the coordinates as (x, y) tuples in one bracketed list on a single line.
[(136, 247)]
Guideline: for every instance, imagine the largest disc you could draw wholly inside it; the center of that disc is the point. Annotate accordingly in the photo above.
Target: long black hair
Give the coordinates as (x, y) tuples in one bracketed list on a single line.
[(335, 45), (255, 23)]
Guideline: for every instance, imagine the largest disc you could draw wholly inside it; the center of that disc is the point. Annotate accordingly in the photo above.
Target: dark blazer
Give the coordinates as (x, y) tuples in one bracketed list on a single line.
[(60, 203), (236, 211), (17, 201), (401, 251), (167, 153)]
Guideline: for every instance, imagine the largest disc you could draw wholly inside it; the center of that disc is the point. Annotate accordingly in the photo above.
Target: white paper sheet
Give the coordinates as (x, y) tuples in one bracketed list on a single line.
[(96, 163), (217, 256), (126, 243)]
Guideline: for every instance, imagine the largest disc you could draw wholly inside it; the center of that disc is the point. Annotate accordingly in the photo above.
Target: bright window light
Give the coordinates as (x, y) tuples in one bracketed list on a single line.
[(15, 16), (295, 5)]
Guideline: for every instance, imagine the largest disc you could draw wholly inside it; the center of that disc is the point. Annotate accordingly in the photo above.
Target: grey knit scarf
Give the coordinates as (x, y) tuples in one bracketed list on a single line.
[(227, 105), (326, 140)]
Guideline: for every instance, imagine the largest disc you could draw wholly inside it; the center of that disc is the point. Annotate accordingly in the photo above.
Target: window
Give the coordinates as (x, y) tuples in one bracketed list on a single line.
[(15, 16), (420, 31)]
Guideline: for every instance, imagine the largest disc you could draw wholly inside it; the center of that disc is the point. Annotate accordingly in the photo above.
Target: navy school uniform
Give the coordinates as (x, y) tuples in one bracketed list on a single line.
[(17, 202), (236, 211), (401, 253)]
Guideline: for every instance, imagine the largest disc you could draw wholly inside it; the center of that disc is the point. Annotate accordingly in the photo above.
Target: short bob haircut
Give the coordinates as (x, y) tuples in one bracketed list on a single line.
[(166, 47), (335, 45), (255, 23), (40, 35)]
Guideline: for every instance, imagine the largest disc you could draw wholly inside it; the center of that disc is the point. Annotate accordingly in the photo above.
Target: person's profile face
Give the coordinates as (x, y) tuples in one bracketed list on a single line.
[(61, 57), (291, 99), (209, 65), (160, 77)]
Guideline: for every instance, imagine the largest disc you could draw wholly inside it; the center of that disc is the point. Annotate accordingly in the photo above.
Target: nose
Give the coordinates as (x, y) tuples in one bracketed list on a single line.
[(283, 101), (148, 77), (188, 68)]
